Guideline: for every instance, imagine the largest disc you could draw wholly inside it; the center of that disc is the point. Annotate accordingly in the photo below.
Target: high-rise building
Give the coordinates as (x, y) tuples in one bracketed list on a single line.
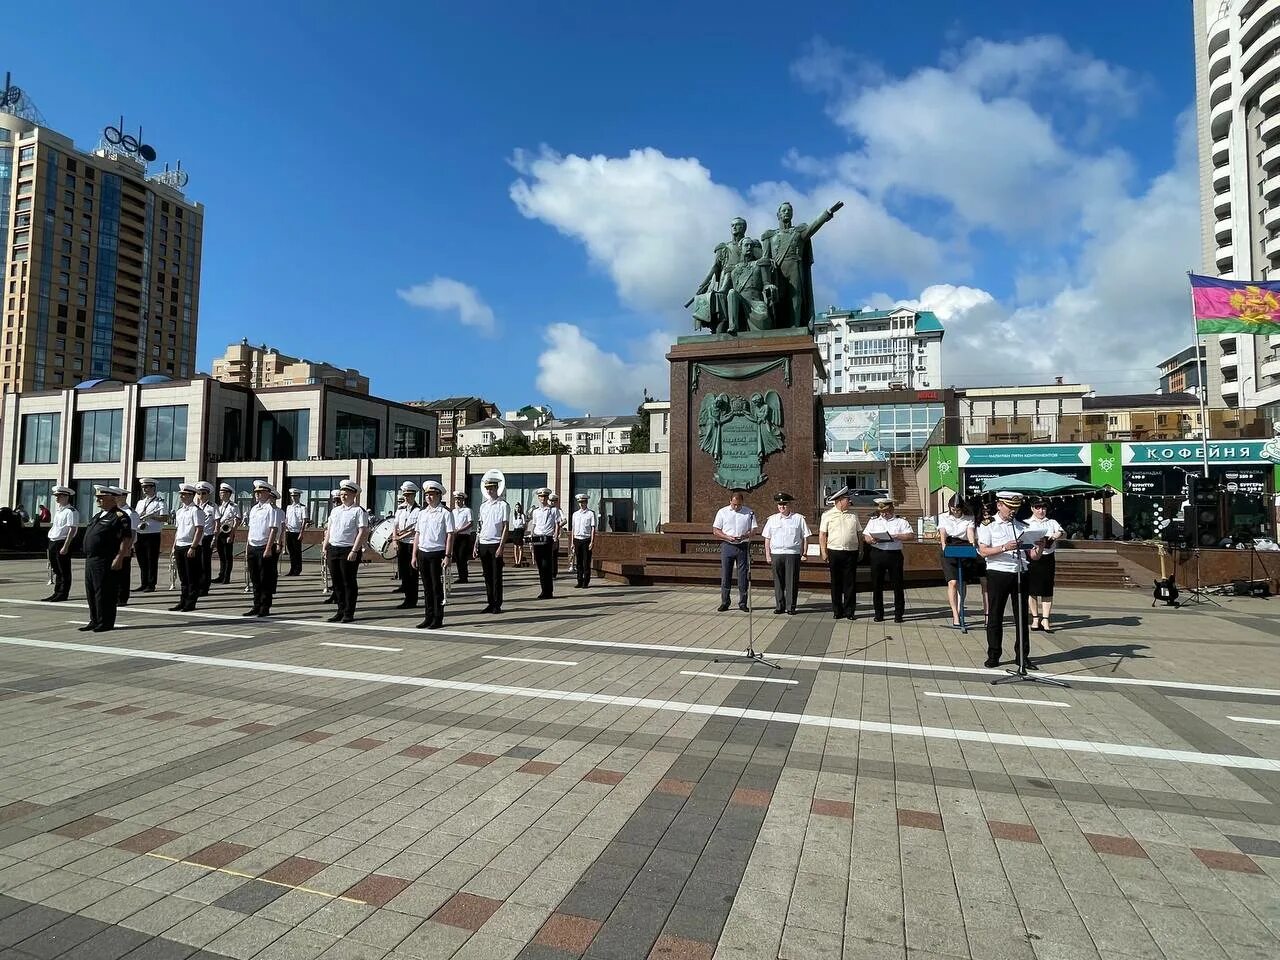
[(863, 350), (1238, 129), (1181, 373), (101, 258), (265, 366)]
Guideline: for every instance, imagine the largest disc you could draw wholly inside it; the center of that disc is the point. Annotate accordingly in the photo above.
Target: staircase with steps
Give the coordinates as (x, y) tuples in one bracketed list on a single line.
[(903, 488), (1093, 569)]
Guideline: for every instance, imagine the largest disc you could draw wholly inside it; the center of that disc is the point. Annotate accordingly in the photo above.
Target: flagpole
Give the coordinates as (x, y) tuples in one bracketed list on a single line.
[(1195, 358)]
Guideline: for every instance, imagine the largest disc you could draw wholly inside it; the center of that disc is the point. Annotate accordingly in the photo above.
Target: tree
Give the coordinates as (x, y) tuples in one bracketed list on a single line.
[(509, 446), (640, 432), (549, 445)]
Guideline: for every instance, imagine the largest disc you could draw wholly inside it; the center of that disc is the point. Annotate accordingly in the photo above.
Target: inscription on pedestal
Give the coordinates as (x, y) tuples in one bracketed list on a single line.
[(739, 433)]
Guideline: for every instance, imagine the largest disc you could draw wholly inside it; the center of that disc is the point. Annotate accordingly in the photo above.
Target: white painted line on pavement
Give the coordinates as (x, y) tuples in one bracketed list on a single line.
[(554, 663), (1274, 723), (364, 646), (1021, 700), (214, 633), (11, 616), (700, 709), (661, 648), (735, 677)]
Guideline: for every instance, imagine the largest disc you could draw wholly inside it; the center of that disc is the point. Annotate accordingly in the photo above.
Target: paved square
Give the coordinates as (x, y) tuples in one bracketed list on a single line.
[(582, 778)]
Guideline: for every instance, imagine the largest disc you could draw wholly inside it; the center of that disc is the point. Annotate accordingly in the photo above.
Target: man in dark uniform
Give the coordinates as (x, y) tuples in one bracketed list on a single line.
[(107, 541)]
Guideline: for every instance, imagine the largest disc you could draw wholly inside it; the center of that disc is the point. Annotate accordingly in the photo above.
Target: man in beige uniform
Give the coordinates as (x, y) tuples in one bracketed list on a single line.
[(840, 540)]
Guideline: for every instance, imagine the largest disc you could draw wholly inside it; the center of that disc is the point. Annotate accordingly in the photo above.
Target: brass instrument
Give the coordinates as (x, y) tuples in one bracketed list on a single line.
[(325, 580), (173, 568), (247, 587), (226, 526)]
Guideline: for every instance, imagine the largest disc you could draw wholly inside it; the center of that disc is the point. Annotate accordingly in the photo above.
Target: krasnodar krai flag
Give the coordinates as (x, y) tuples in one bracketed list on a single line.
[(1235, 306)]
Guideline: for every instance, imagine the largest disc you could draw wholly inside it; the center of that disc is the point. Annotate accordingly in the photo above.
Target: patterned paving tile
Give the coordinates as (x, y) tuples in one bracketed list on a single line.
[(563, 931), (163, 715), (147, 840), (206, 722), (254, 727), (83, 827), (1119, 846), (1022, 832), (831, 808), (312, 736), (600, 775), (669, 947), (919, 818), (295, 871), (19, 808), (1225, 860), (376, 889), (218, 855), (419, 751), (538, 767), (364, 743), (467, 911), (476, 759), (675, 788), (123, 711), (750, 797)]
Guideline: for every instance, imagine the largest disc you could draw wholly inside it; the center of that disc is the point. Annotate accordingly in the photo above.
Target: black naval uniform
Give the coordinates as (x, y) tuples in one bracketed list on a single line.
[(103, 537)]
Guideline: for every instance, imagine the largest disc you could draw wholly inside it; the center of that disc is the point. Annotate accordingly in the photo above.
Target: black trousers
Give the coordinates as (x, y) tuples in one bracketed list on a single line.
[(344, 574), (544, 558), (408, 575), (844, 581), (1000, 587), (463, 544), (146, 546), (187, 563), (582, 561), (294, 543), (224, 544), (206, 564), (431, 571), (124, 576), (264, 575), (732, 554), (786, 580), (887, 563), (491, 564), (61, 567), (101, 590)]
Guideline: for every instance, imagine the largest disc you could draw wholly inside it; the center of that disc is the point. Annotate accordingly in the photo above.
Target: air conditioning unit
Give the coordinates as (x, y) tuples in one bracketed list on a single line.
[(861, 386)]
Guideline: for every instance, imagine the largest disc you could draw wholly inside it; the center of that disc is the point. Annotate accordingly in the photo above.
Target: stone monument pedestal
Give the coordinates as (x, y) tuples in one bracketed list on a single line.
[(744, 395)]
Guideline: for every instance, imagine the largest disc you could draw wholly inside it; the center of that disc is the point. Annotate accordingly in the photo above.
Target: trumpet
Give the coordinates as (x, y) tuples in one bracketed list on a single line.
[(226, 526), (325, 579), (247, 587), (173, 568)]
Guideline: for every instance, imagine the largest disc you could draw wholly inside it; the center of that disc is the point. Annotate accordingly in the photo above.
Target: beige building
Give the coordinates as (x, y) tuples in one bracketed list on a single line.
[(101, 259), (454, 414), (264, 366)]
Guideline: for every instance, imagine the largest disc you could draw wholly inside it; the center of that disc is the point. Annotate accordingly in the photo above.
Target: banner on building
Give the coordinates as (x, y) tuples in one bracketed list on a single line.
[(1029, 455), (853, 435)]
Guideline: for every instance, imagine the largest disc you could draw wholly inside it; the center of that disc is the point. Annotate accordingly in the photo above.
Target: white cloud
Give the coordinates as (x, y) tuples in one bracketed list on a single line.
[(444, 295), (575, 371)]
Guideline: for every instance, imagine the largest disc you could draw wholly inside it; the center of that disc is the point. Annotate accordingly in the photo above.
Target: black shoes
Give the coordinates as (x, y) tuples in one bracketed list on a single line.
[(54, 598), (488, 608), (837, 615), (426, 624), (991, 662), (404, 606), (102, 629), (178, 606), (778, 610), (349, 619), (791, 612), (897, 619), (87, 627), (331, 599), (851, 616), (336, 618), (1030, 664), (744, 608), (879, 618), (252, 613), (722, 608)]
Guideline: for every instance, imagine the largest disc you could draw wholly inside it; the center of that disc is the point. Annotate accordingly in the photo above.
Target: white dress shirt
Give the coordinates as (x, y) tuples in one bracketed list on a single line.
[(735, 523), (584, 524), (955, 527), (462, 521), (345, 524), (493, 515), (544, 521), (185, 521), (786, 535), (150, 510), (997, 533), (65, 521), (893, 526), (263, 517), (518, 520), (210, 517), (134, 519), (229, 511), (295, 515), (434, 524), (1051, 528), (406, 519)]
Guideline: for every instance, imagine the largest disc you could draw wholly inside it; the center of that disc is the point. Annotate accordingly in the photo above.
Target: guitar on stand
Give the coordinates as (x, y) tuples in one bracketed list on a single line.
[(1165, 589)]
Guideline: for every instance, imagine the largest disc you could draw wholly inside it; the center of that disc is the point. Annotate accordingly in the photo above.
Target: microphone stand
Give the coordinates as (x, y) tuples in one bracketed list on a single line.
[(1020, 675), (750, 655)]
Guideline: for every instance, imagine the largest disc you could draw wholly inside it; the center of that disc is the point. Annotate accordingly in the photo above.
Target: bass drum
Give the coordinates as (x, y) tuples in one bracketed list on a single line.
[(381, 539)]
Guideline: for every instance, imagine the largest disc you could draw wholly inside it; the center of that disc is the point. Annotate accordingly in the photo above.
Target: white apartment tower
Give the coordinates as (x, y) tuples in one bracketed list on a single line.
[(863, 350), (1237, 47)]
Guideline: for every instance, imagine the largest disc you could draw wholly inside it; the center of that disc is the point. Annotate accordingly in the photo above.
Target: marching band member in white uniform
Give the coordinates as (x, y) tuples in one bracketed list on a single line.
[(204, 495), (188, 535), (545, 522), (432, 549), (344, 539), (62, 534), (464, 535), (125, 574), (152, 514), (404, 526), (228, 513), (490, 540), (295, 521), (263, 556), (885, 533), (584, 525)]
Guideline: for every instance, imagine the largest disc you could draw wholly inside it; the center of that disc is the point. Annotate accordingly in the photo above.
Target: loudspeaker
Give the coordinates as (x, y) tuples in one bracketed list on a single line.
[(1202, 519), (1251, 588)]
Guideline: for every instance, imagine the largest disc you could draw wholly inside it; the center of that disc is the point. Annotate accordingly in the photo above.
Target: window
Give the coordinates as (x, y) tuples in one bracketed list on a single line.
[(234, 445), (623, 501), (409, 441), (356, 436), (282, 435), (520, 487), (164, 433), (99, 432), (40, 437), (84, 495), (33, 494), (386, 490), (315, 495)]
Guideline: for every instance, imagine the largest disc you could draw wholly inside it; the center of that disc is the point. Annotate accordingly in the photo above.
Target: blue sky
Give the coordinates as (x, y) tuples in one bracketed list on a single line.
[(458, 203)]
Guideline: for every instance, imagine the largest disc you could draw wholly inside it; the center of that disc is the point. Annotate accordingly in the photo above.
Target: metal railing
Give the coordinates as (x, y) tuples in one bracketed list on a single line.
[(1131, 425)]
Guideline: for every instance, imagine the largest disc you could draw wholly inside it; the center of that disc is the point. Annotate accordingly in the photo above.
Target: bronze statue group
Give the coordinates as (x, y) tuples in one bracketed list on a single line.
[(427, 541), (1012, 561)]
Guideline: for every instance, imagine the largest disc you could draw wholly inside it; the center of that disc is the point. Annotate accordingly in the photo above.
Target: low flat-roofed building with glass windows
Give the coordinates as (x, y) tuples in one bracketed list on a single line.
[(184, 430)]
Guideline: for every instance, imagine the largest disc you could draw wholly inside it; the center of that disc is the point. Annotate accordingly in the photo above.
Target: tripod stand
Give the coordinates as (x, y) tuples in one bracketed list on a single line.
[(751, 655), (1020, 674), (1198, 594)]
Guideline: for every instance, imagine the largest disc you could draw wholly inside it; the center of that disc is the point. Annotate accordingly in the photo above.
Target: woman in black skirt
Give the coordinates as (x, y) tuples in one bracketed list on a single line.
[(956, 528), (1040, 573)]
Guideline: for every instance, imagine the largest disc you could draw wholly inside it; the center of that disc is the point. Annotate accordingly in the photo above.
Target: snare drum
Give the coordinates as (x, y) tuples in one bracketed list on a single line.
[(382, 538)]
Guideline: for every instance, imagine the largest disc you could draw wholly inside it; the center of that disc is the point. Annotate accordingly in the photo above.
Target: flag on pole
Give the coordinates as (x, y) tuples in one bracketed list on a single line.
[(1235, 306)]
